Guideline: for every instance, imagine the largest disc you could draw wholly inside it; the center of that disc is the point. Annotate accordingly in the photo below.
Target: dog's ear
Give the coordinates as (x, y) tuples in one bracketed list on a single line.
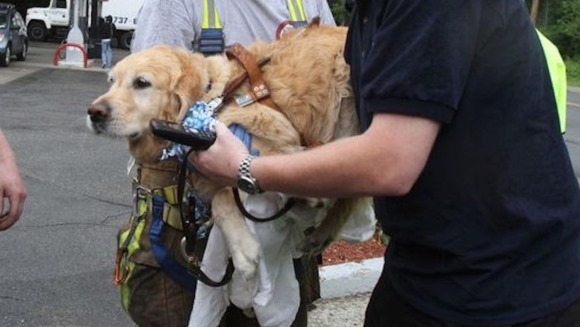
[(188, 85)]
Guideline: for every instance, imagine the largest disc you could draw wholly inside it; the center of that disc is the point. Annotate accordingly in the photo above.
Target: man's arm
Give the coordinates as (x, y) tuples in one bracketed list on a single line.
[(385, 160), (11, 186)]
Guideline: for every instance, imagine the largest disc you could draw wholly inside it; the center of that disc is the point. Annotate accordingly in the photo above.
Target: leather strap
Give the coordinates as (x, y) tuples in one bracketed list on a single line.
[(258, 88)]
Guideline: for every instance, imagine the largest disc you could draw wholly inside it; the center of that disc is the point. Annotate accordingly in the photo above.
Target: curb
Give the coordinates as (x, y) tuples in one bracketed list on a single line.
[(349, 278)]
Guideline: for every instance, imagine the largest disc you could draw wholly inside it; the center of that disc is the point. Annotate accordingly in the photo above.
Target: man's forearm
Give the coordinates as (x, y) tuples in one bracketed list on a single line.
[(385, 160)]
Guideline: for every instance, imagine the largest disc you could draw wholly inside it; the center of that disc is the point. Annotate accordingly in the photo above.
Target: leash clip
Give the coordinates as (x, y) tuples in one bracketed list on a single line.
[(121, 256), (191, 258), (215, 103), (139, 193)]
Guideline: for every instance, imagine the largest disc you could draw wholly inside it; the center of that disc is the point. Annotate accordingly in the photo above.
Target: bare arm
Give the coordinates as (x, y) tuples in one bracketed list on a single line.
[(385, 160), (11, 186)]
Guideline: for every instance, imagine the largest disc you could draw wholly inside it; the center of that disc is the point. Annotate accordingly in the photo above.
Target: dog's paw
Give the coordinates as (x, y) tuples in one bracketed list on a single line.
[(246, 257)]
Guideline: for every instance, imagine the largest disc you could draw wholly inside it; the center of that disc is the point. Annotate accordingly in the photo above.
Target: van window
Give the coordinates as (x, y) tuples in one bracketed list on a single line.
[(3, 20), (60, 4)]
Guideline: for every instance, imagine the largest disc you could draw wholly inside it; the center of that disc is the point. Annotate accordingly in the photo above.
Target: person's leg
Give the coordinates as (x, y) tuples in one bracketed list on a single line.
[(106, 53), (306, 271), (103, 53), (109, 55)]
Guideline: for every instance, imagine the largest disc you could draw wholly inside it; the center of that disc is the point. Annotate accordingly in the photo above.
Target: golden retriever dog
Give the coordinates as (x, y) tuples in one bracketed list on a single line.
[(307, 79)]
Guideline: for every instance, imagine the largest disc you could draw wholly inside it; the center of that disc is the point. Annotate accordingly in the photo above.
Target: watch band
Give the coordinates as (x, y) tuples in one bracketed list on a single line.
[(245, 166), (246, 182)]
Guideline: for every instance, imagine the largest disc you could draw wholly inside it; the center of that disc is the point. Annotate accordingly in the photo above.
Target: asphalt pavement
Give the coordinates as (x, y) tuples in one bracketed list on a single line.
[(56, 262)]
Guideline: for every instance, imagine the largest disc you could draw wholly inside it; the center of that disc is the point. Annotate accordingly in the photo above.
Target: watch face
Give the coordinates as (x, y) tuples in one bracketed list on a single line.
[(247, 185)]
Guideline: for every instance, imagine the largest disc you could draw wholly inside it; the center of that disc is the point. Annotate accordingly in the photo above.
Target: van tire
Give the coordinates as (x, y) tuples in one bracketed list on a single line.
[(5, 58), (22, 55), (126, 39), (37, 31)]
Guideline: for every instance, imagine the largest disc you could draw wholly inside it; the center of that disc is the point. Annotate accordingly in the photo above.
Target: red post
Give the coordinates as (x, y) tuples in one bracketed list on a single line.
[(76, 45)]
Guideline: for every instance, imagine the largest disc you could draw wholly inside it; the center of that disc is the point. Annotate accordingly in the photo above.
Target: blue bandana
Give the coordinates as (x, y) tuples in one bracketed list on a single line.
[(199, 118)]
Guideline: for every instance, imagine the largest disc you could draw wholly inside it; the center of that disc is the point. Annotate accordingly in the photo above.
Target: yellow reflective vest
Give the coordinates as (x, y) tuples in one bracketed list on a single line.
[(557, 70)]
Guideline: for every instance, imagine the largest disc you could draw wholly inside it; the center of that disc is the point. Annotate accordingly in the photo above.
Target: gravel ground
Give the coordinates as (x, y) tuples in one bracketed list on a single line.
[(339, 312)]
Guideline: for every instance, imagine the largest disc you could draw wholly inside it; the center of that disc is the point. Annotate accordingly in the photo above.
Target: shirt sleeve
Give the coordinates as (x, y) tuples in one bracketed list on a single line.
[(419, 58), (164, 22)]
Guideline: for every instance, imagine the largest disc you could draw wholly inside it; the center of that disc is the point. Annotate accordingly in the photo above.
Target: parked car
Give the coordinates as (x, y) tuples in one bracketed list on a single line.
[(13, 34)]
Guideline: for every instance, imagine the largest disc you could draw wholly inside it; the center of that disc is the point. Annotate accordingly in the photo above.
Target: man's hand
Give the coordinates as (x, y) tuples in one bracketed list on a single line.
[(11, 186), (224, 157)]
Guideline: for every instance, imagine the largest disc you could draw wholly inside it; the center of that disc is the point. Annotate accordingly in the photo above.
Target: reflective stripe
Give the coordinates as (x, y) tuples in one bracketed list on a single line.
[(211, 18), (296, 9), (131, 237)]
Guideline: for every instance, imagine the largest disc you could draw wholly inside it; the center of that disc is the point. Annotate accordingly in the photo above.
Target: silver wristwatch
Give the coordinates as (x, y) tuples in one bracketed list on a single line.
[(246, 182)]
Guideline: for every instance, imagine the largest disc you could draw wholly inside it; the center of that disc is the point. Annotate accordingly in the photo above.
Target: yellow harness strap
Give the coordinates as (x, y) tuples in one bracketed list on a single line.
[(171, 214)]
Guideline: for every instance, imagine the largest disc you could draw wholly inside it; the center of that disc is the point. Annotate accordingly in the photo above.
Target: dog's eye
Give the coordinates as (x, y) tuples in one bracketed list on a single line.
[(141, 83)]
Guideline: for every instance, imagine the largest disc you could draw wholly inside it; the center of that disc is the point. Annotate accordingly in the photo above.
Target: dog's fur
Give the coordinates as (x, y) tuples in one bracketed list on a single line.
[(308, 79)]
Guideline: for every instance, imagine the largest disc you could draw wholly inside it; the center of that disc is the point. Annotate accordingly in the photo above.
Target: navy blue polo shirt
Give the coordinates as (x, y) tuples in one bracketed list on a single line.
[(489, 233)]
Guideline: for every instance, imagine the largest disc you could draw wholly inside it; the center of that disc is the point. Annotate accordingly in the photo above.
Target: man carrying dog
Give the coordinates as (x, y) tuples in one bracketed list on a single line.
[(463, 153)]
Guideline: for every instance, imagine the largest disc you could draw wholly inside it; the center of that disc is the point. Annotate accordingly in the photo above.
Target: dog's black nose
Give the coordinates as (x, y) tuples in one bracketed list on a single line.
[(98, 112)]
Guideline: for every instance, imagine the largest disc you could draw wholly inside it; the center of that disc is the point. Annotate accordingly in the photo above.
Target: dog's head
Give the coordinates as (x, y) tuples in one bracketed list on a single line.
[(161, 82)]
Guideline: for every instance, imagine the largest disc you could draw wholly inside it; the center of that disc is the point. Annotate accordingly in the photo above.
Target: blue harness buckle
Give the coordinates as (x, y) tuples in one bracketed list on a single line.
[(211, 41)]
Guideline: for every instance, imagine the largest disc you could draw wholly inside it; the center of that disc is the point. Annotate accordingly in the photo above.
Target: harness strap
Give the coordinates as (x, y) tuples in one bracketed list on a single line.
[(258, 88), (238, 81), (163, 256), (171, 215)]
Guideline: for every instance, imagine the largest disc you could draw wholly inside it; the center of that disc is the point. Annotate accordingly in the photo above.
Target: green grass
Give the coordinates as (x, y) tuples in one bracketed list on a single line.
[(573, 71)]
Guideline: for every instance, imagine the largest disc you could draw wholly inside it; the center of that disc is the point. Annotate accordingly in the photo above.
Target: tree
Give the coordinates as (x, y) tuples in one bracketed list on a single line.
[(535, 10), (566, 30), (559, 20), (339, 11)]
